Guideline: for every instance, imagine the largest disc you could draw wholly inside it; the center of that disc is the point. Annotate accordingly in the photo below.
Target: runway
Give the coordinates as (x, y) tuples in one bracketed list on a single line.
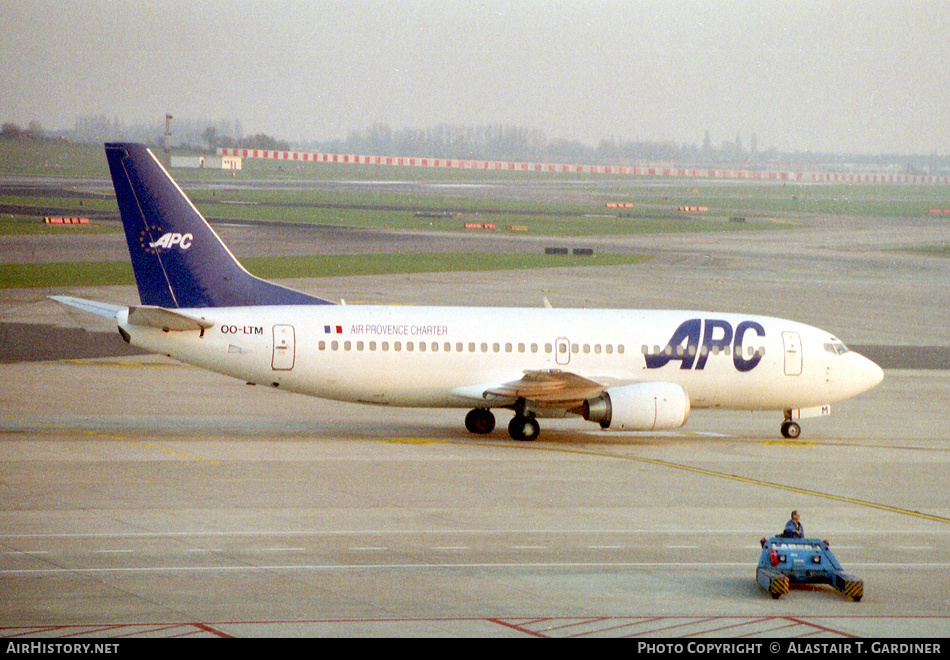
[(141, 497)]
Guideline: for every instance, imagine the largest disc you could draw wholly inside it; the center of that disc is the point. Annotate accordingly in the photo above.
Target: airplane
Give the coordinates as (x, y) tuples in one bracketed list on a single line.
[(626, 370)]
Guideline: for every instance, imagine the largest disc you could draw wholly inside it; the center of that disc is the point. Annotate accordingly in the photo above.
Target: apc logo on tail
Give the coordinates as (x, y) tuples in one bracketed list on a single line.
[(170, 240), (167, 241)]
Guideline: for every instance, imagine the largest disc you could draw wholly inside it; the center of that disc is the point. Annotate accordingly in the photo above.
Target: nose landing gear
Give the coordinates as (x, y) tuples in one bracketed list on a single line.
[(790, 429)]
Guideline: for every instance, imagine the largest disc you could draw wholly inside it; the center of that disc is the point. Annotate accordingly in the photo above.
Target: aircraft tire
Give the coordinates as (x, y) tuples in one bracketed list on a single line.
[(480, 421), (791, 430), (524, 428)]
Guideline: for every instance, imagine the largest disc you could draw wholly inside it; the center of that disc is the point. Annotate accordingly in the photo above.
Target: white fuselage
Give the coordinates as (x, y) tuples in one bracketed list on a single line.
[(448, 356)]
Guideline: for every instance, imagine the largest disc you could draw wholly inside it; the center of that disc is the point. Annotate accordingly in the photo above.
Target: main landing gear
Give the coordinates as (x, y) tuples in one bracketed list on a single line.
[(522, 426), (480, 421)]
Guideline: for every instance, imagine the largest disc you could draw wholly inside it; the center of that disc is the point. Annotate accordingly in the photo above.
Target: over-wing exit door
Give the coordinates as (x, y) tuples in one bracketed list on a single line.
[(284, 348)]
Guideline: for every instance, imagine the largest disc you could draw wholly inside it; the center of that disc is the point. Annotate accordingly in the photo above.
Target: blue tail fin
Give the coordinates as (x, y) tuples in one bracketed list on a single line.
[(178, 259)]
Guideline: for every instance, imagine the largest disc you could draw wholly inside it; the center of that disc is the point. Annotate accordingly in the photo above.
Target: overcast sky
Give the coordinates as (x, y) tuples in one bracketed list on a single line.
[(869, 76)]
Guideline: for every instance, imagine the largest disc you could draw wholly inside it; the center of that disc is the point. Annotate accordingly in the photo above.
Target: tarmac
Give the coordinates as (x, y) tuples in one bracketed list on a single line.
[(142, 498)]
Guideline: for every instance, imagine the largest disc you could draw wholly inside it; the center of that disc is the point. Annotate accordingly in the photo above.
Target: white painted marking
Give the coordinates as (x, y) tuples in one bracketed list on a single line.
[(114, 552), (701, 566), (27, 552), (403, 532)]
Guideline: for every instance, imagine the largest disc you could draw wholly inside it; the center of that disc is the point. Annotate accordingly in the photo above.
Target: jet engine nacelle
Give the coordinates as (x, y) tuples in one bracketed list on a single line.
[(639, 407)]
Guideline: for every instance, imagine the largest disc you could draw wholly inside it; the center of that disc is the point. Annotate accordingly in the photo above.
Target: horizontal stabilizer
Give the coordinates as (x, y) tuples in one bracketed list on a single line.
[(165, 319), (92, 306)]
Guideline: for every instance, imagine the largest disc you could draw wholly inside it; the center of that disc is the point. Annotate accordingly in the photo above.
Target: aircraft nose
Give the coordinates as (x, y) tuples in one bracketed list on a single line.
[(867, 373)]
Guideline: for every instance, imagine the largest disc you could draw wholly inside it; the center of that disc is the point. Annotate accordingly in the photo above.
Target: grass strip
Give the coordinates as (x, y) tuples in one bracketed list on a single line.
[(105, 273)]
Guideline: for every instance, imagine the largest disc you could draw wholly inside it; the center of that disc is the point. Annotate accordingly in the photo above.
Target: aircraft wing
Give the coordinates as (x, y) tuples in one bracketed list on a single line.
[(548, 387)]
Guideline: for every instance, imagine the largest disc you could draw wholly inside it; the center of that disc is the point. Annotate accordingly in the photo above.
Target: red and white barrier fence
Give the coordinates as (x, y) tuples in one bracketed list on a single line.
[(53, 220), (513, 166)]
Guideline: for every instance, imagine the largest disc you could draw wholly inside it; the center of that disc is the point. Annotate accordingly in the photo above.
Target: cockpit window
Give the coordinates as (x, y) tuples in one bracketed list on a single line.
[(836, 347)]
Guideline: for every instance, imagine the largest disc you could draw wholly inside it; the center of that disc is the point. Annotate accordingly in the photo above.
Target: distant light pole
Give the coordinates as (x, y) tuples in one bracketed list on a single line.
[(168, 139)]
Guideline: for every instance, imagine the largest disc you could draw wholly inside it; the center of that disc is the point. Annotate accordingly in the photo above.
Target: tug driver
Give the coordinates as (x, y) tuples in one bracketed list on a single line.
[(794, 528)]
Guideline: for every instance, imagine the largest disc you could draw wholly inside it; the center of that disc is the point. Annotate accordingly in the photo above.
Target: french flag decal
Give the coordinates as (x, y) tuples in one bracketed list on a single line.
[(333, 329)]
